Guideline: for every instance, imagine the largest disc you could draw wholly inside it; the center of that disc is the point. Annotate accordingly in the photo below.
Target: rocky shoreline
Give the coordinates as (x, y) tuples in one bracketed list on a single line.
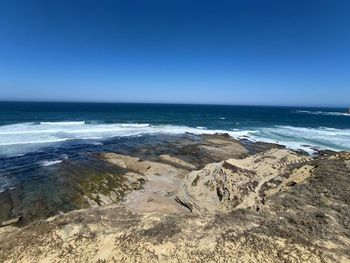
[(202, 198), (91, 180)]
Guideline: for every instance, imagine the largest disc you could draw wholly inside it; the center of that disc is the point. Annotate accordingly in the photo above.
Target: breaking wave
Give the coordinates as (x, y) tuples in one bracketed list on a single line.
[(306, 139), (27, 137), (21, 138), (48, 163), (331, 113)]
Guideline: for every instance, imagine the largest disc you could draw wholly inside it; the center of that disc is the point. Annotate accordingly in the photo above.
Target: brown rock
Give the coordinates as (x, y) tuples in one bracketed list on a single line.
[(236, 183)]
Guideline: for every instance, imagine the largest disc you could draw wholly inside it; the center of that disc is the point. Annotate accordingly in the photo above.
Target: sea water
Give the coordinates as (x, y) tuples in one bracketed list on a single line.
[(38, 134)]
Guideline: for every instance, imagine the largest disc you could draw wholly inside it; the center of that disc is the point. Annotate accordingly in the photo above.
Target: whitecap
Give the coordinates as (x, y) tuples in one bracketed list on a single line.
[(63, 123), (33, 142), (331, 113), (307, 139), (48, 163), (25, 137)]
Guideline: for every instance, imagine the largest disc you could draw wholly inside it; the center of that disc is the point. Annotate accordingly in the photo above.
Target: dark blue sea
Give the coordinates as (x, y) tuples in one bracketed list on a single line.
[(42, 134)]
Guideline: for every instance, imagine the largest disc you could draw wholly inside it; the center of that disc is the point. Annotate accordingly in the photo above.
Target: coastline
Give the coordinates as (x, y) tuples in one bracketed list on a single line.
[(90, 180), (156, 201), (174, 131)]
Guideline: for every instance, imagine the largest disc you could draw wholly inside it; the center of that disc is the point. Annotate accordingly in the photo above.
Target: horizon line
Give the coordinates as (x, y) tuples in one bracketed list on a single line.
[(167, 103)]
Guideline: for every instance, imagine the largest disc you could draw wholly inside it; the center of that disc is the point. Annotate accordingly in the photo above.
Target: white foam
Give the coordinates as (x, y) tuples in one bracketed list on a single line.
[(48, 163), (135, 125), (97, 143), (62, 123), (332, 113), (5, 183), (28, 137), (32, 142), (64, 156), (306, 139)]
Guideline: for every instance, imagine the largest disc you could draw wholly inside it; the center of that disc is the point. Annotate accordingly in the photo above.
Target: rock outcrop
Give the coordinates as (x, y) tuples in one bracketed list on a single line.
[(221, 148), (96, 179), (163, 173), (139, 166), (241, 183), (162, 182), (304, 218)]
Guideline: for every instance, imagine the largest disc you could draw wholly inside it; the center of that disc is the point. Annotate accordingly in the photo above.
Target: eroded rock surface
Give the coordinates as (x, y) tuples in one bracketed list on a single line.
[(92, 179), (237, 183), (164, 171), (162, 182), (275, 206), (305, 218)]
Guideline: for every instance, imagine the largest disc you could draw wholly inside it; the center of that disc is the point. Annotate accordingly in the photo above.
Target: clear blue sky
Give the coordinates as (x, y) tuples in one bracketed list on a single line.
[(290, 52)]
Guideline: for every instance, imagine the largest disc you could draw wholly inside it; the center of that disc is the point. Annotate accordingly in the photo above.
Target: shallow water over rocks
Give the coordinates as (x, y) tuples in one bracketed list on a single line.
[(71, 177)]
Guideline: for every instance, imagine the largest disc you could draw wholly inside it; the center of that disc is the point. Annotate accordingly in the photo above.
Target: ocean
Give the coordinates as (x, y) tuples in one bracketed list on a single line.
[(30, 126), (38, 134), (47, 149)]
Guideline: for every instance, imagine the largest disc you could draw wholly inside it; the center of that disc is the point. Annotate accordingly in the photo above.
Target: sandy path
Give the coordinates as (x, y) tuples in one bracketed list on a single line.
[(157, 195)]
